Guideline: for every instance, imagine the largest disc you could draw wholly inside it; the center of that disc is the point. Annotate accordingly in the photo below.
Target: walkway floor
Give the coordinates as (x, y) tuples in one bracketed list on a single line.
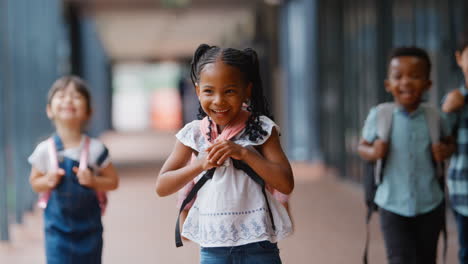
[(139, 227)]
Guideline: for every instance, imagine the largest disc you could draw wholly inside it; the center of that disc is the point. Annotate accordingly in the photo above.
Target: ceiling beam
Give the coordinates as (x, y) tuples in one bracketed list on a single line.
[(133, 5)]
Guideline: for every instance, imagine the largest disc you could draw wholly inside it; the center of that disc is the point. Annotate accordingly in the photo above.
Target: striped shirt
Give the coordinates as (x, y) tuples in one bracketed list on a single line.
[(457, 181)]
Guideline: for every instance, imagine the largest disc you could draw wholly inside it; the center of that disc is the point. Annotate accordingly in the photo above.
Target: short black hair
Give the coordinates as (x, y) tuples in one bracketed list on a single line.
[(412, 51), (462, 41)]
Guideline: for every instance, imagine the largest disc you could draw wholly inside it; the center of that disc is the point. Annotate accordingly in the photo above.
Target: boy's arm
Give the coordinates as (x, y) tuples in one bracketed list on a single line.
[(372, 151), (453, 102)]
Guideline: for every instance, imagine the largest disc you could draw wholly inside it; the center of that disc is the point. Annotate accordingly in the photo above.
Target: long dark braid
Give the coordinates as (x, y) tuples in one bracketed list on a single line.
[(204, 55), (247, 62), (258, 105)]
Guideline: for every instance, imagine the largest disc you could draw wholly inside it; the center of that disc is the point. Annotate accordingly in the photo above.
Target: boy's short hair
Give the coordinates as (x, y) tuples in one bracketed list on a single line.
[(462, 41), (412, 51)]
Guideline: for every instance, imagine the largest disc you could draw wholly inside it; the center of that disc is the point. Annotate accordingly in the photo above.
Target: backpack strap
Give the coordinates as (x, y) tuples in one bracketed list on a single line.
[(384, 125), (384, 119), (54, 146), (53, 161), (84, 155), (433, 122), (207, 176), (101, 196), (240, 165), (102, 157)]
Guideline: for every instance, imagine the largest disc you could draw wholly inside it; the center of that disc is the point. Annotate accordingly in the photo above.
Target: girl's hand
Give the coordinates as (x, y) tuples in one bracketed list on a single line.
[(85, 177), (220, 151), (205, 163), (54, 178)]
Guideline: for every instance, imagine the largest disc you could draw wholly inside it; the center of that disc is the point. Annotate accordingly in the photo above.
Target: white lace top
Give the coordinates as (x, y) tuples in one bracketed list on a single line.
[(230, 209)]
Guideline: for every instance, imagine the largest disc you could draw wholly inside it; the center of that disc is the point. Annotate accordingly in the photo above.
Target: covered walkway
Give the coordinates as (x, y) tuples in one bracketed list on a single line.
[(139, 226), (322, 61)]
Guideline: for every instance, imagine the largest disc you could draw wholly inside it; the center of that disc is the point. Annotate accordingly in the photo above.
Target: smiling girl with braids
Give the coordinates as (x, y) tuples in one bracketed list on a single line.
[(233, 218)]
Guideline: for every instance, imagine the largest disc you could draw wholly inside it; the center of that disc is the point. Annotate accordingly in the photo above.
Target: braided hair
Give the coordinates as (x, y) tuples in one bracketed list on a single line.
[(247, 62)]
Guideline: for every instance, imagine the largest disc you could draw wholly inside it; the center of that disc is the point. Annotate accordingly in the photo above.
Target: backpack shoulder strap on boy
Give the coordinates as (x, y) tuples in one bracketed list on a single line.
[(373, 175), (384, 124), (240, 165)]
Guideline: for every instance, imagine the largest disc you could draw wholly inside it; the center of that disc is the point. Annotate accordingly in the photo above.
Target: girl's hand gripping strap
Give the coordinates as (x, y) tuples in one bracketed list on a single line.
[(101, 196), (52, 150), (54, 166)]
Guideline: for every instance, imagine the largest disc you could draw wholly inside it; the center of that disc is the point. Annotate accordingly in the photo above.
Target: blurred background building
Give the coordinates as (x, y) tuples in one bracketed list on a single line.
[(323, 65)]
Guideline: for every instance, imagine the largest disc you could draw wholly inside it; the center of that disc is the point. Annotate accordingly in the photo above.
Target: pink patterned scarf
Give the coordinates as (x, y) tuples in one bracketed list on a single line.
[(230, 131)]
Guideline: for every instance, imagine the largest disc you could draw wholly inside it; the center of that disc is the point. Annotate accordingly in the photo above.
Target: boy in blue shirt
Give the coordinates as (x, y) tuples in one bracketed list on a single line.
[(457, 181), (410, 199)]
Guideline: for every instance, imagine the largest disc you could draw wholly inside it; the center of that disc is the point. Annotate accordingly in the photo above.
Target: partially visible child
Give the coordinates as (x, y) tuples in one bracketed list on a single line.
[(72, 216), (233, 218), (409, 197), (455, 106)]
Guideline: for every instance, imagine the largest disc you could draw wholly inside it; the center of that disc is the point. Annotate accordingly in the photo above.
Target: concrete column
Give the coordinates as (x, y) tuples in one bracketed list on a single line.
[(96, 70), (299, 59), (4, 234)]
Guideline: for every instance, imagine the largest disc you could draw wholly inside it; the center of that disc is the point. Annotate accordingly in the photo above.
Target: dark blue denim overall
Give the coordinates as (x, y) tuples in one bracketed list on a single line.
[(72, 219)]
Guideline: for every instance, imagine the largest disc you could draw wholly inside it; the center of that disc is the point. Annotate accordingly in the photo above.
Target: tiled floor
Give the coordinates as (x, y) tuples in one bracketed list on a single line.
[(139, 226)]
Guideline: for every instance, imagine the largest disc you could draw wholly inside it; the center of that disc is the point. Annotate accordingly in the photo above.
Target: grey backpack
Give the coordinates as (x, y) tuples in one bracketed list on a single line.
[(384, 125)]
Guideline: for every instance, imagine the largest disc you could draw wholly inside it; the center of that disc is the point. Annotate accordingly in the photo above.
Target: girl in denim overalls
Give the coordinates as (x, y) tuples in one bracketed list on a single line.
[(72, 216)]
